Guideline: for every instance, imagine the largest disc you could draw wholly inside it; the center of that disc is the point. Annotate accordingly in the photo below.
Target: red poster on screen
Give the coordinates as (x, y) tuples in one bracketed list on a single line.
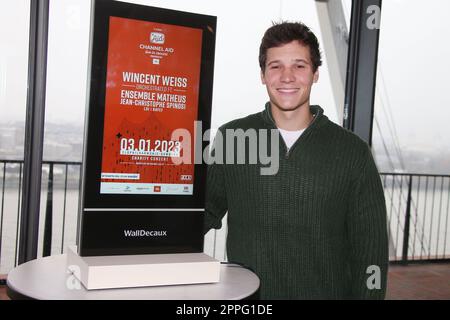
[(152, 89)]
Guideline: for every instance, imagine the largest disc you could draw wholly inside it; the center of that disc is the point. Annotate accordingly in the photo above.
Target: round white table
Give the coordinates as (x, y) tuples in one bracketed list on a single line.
[(47, 279)]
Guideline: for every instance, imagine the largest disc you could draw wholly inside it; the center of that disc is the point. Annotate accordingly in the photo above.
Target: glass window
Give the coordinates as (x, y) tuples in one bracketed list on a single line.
[(411, 107), (14, 34), (410, 131), (67, 63)]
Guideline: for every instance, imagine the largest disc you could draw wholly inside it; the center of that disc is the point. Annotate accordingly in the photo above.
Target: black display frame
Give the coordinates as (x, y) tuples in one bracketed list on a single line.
[(103, 218), (104, 9)]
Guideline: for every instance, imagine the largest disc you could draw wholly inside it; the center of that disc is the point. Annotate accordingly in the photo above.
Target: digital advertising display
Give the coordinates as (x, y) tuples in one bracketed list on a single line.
[(150, 85), (152, 89)]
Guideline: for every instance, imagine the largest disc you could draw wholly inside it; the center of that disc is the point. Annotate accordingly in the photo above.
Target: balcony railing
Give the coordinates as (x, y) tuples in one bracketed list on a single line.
[(418, 216), (417, 208), (59, 208)]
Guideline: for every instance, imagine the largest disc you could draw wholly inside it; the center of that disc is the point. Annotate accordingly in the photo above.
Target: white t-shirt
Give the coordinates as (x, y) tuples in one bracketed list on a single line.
[(290, 137)]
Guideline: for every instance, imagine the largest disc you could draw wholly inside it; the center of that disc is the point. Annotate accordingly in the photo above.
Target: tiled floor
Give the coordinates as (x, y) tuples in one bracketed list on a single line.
[(3, 295), (419, 282), (412, 282)]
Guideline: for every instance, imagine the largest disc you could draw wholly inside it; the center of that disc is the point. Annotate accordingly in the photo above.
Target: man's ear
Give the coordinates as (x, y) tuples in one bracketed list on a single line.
[(316, 76), (263, 80)]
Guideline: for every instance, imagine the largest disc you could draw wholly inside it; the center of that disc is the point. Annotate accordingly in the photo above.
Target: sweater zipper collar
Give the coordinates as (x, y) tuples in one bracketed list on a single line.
[(288, 151), (317, 112)]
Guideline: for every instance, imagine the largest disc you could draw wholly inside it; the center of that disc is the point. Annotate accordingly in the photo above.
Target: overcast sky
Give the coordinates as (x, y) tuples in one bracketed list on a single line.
[(413, 62)]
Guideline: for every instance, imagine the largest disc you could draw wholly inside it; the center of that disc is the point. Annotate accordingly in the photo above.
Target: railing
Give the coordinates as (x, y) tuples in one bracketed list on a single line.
[(418, 216), (60, 185), (417, 207)]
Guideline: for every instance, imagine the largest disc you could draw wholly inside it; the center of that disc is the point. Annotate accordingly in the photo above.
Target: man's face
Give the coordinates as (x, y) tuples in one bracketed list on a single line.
[(289, 76)]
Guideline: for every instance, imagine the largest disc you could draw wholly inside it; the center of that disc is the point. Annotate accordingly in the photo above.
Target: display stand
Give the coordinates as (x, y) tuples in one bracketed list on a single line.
[(142, 194), (47, 279), (105, 272)]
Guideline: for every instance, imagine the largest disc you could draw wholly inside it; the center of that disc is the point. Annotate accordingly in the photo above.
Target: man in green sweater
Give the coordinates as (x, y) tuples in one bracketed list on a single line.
[(315, 228)]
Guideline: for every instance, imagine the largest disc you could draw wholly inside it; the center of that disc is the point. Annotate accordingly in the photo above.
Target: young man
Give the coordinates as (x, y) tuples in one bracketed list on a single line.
[(316, 229)]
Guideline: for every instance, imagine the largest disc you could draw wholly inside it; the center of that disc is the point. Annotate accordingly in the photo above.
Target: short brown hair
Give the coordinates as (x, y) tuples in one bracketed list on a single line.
[(286, 32)]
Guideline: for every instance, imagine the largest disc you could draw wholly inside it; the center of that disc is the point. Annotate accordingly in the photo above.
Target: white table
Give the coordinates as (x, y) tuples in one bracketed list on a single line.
[(47, 279)]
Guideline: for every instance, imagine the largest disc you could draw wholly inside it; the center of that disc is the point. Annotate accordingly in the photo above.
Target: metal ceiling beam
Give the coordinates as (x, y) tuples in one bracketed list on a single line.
[(362, 68), (335, 42)]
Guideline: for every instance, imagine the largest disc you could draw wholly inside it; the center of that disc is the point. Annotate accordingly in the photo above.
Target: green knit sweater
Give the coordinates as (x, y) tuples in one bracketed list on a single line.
[(312, 230)]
